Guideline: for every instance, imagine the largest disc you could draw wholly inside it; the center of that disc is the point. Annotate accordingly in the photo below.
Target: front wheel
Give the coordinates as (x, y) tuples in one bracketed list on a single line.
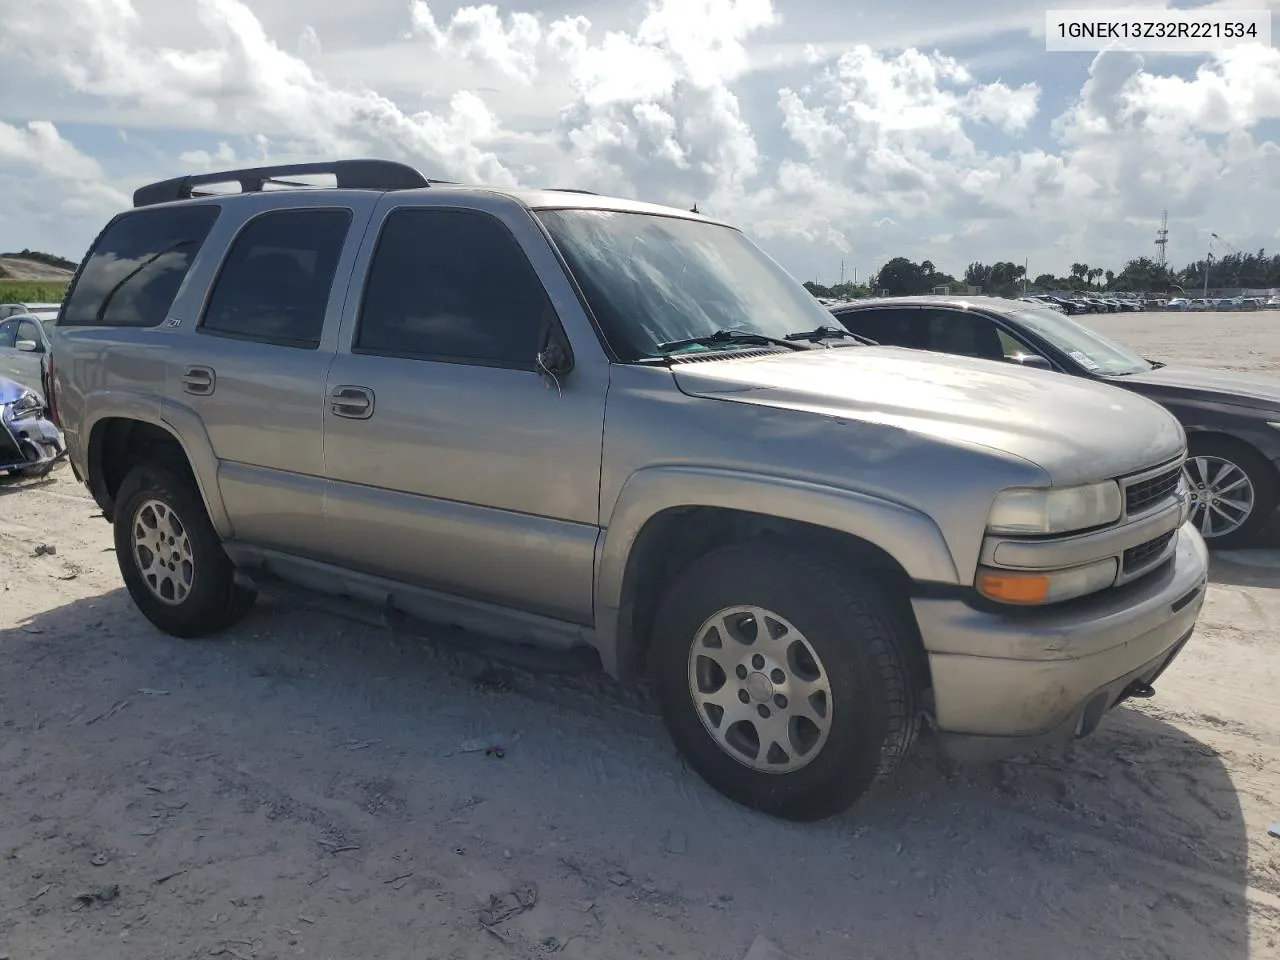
[(33, 452), (170, 556), (1233, 490), (784, 679)]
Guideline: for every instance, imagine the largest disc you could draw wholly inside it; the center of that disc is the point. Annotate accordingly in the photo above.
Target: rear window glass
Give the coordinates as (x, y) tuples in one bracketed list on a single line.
[(137, 266), (274, 285)]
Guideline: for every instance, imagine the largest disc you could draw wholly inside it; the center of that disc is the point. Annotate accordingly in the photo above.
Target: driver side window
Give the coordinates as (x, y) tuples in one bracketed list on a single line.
[(969, 334), (8, 333), (963, 333), (452, 286)]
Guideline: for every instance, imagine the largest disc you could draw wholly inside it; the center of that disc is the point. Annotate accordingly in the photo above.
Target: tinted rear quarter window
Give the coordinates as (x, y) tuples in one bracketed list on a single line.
[(454, 286), (275, 283), (137, 266)]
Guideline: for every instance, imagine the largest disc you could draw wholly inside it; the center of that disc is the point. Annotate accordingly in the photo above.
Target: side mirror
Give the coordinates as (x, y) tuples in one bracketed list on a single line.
[(29, 346), (555, 359), (1032, 360)]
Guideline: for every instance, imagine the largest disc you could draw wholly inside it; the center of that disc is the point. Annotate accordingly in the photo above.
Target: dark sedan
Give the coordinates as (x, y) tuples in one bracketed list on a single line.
[(1232, 420)]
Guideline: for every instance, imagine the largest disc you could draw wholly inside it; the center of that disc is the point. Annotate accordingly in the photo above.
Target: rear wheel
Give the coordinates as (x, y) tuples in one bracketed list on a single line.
[(170, 556), (784, 680), (1233, 490)]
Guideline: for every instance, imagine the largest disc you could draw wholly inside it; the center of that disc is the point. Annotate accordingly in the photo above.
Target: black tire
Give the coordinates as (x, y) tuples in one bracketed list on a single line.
[(33, 452), (861, 641), (1261, 474), (214, 600)]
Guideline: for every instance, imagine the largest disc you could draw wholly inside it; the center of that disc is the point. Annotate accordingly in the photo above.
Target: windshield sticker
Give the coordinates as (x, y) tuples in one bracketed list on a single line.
[(1084, 361)]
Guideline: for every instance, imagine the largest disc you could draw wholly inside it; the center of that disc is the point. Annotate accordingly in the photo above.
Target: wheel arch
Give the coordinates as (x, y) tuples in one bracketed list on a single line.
[(121, 437), (666, 517)]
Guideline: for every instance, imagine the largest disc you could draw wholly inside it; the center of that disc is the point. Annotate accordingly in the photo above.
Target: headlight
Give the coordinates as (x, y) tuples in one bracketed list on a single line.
[(28, 406), (1032, 511), (1031, 587)]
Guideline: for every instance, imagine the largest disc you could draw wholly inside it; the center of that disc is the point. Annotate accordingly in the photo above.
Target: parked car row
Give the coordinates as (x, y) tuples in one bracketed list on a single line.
[(1224, 303), (586, 424), (1077, 305)]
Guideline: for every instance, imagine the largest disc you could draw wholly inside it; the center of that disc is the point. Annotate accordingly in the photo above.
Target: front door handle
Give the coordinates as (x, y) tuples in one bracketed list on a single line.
[(199, 380), (352, 402)]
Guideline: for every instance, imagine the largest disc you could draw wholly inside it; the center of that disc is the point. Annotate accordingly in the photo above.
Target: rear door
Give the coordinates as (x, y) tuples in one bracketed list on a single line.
[(254, 369), (453, 463)]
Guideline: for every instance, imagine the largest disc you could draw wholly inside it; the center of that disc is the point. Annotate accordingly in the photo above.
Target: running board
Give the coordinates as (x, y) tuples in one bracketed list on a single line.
[(530, 657), (574, 660)]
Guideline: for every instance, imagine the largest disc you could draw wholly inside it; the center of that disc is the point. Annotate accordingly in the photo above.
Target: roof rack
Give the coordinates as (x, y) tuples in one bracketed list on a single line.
[(350, 175), (590, 193)]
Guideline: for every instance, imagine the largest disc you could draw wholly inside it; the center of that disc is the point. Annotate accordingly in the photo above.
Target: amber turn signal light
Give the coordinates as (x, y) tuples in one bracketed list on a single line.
[(1014, 587)]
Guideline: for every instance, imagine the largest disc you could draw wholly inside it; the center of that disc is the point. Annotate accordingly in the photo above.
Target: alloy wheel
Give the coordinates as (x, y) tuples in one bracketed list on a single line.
[(760, 689), (1222, 495), (162, 550)]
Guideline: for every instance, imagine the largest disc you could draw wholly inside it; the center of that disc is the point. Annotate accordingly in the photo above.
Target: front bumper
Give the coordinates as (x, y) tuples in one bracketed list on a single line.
[(38, 430), (1011, 683)]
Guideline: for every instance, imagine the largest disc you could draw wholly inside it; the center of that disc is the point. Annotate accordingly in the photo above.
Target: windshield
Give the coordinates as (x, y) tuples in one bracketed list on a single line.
[(1089, 349), (653, 279)]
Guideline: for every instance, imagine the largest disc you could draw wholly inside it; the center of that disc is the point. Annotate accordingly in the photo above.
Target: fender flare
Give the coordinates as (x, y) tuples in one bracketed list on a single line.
[(652, 490), (177, 420)]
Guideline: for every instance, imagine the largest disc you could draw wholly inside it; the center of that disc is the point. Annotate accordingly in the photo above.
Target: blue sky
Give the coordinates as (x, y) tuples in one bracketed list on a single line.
[(939, 130)]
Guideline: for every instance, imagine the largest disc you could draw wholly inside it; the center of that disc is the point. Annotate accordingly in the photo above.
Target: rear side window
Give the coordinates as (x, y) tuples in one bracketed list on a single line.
[(274, 285), (453, 286), (137, 266)]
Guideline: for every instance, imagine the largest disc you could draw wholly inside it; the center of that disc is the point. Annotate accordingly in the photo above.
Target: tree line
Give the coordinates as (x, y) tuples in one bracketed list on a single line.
[(904, 277)]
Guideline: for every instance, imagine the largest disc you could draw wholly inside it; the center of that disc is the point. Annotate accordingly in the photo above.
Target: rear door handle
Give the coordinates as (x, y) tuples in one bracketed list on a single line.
[(199, 380), (352, 402)]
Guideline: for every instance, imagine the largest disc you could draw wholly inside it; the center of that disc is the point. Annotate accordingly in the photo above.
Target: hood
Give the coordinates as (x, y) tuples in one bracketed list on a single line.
[(1074, 429), (1227, 386), (11, 390)]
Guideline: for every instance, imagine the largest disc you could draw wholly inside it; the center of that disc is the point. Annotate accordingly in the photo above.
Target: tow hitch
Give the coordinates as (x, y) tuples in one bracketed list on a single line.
[(1138, 690)]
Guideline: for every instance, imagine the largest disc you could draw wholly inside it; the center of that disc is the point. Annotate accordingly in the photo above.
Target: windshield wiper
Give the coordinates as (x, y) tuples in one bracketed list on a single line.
[(732, 338), (1155, 364), (830, 333)]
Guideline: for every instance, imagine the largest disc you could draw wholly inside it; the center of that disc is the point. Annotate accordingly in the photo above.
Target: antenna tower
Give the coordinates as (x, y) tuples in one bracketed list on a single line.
[(1162, 238)]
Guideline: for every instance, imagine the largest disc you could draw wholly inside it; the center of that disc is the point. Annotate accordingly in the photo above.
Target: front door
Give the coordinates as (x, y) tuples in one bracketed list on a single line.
[(454, 463), (18, 363)]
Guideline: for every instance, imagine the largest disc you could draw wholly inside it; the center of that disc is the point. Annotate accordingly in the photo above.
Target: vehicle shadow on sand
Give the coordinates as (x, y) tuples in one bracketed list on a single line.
[(1254, 565), (1131, 844)]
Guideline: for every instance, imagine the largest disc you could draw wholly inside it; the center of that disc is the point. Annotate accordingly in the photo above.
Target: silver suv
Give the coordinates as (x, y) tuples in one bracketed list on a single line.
[(574, 421)]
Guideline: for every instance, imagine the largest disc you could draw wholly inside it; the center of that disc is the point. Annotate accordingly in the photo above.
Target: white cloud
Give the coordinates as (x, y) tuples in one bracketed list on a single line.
[(245, 83), (480, 33), (839, 149), (38, 154)]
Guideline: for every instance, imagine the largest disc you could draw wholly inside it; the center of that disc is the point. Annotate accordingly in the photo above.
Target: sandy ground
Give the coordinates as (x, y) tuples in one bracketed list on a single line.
[(17, 268), (306, 786)]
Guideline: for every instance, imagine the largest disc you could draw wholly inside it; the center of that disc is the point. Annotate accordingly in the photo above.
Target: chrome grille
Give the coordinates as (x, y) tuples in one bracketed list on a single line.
[(1144, 494), (1136, 558)]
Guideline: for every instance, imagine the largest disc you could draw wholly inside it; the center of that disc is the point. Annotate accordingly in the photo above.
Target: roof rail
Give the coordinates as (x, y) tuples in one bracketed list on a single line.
[(590, 193), (350, 174)]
